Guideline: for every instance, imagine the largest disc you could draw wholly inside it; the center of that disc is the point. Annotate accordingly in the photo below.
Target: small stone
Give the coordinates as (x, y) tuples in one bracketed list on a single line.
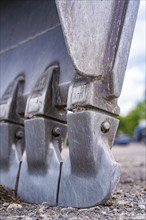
[(109, 203), (141, 206), (114, 197), (129, 209), (104, 213), (41, 209), (83, 210), (126, 195), (130, 205), (119, 210), (71, 208), (43, 216), (122, 202), (64, 209), (14, 206), (31, 214), (92, 209), (119, 192), (6, 204), (97, 208)]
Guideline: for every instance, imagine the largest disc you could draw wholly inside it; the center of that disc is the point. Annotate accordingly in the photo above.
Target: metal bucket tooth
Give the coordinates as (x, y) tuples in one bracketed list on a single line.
[(40, 170), (11, 134), (90, 173), (45, 133), (11, 150)]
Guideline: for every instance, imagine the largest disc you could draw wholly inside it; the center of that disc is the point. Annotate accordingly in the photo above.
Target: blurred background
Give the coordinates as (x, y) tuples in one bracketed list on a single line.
[(132, 101)]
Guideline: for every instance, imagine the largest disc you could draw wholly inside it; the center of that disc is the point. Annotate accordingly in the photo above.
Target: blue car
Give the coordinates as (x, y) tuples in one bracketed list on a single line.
[(122, 139)]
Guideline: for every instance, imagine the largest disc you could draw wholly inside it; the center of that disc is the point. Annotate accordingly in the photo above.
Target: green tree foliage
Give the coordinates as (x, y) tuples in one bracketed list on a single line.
[(129, 122)]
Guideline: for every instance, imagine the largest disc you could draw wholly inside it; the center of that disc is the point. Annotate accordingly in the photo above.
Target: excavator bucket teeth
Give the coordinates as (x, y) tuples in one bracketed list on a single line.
[(62, 70)]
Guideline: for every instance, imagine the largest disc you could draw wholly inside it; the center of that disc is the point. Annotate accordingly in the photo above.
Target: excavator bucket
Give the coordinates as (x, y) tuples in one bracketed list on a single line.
[(62, 66)]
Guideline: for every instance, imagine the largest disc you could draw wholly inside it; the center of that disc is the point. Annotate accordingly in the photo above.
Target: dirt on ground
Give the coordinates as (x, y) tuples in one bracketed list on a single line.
[(127, 203)]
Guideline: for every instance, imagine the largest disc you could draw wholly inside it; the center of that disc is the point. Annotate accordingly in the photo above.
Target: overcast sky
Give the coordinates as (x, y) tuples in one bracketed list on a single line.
[(134, 82)]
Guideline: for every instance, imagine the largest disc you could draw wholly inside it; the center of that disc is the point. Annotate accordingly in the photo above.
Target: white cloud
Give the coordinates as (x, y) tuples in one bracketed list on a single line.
[(134, 82), (133, 89)]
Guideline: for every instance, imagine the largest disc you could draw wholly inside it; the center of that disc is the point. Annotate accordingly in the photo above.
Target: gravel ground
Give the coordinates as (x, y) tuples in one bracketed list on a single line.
[(127, 203)]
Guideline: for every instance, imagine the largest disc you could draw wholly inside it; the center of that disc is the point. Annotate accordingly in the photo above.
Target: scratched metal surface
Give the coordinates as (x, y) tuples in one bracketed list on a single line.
[(98, 34)]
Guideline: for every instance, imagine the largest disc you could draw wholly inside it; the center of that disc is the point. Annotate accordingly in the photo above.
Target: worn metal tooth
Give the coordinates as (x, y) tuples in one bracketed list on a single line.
[(44, 135), (12, 137), (40, 170), (11, 150), (90, 173)]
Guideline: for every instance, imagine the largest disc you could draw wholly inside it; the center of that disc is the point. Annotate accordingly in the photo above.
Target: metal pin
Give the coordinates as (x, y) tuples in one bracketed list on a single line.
[(56, 132), (19, 134), (105, 126)]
